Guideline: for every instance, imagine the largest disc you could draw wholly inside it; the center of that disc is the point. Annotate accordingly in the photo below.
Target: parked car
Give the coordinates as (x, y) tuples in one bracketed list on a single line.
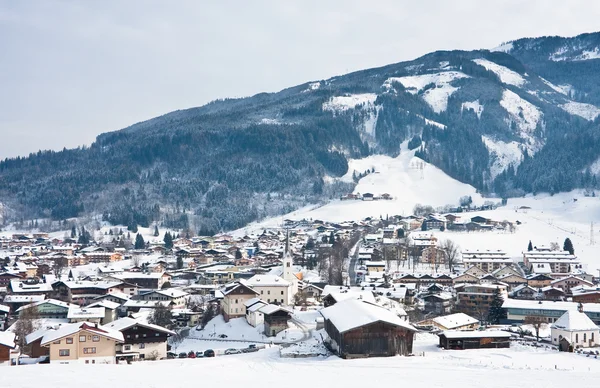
[(199, 354), (209, 353), (222, 335), (171, 355), (182, 355), (252, 346), (233, 351), (191, 354)]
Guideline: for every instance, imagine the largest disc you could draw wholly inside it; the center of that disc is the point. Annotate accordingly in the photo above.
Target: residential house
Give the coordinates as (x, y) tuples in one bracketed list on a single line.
[(87, 290), (438, 303), (539, 280), (153, 280), (4, 313), (253, 315), (82, 342), (475, 299), (85, 314), (178, 298), (141, 341), (552, 263), (49, 308), (569, 282), (271, 288), (111, 310), (488, 260), (524, 292), (234, 296)]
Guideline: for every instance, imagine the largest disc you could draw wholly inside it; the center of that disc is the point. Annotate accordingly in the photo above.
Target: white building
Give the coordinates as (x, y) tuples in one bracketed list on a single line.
[(272, 288), (576, 328)]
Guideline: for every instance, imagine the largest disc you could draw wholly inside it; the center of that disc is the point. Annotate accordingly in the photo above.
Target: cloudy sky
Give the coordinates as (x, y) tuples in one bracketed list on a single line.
[(70, 70)]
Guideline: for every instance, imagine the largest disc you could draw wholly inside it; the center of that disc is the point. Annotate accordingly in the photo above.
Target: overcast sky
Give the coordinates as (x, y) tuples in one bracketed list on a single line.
[(70, 70)]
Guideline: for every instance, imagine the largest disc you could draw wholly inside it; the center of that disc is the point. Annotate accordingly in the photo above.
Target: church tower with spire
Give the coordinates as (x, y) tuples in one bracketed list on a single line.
[(288, 267)]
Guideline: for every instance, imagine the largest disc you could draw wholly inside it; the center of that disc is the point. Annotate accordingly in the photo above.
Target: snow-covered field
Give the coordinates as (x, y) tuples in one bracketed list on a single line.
[(506, 75), (431, 367), (587, 111)]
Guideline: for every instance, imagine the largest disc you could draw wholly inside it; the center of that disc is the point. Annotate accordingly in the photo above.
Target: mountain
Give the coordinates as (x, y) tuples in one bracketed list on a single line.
[(520, 118)]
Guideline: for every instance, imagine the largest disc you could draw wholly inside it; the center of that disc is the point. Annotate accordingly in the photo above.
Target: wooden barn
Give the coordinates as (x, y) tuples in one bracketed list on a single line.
[(481, 339), (361, 329), (275, 319)]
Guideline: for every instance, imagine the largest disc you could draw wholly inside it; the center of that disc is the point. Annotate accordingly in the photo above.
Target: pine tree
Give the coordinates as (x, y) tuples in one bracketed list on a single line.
[(139, 242), (530, 247), (496, 313), (168, 240), (179, 262), (568, 246), (73, 232), (238, 254), (156, 231)]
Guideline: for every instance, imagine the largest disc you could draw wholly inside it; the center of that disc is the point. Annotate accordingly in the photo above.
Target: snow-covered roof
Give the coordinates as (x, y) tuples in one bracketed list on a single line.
[(105, 304), (139, 275), (72, 328), (353, 313), (267, 281), (454, 321), (23, 298), (271, 308), (453, 334), (19, 286), (548, 305), (4, 309), (127, 322), (114, 294), (90, 284), (574, 320), (145, 303), (7, 338), (53, 302), (251, 302), (170, 293), (86, 313)]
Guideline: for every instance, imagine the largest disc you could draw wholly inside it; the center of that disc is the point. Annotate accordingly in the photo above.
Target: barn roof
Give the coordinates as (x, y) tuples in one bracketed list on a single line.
[(351, 314), (457, 334)]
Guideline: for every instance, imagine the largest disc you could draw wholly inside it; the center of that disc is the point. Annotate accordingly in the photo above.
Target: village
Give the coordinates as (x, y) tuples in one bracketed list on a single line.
[(311, 288)]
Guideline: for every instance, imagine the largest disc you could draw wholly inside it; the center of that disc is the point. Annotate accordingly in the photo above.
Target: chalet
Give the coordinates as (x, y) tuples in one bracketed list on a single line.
[(334, 294), (551, 293), (481, 220), (276, 319), (313, 290), (483, 339), (234, 296), (141, 340), (438, 303), (539, 280), (368, 197), (176, 297), (30, 287), (155, 280), (475, 271), (81, 342), (117, 297), (7, 346), (16, 301), (475, 299), (466, 278), (110, 310), (524, 292), (7, 277), (360, 329), (584, 294), (103, 257), (569, 282), (88, 290)]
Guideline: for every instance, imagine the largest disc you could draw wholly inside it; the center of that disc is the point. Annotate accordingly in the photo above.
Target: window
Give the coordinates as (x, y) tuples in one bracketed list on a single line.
[(281, 292), (96, 338), (236, 301), (81, 338), (127, 347), (93, 361), (269, 292), (142, 346), (56, 342), (262, 292), (281, 300), (584, 337), (268, 300), (64, 352), (69, 340), (89, 350), (576, 337), (87, 361), (592, 336), (287, 264), (156, 334)]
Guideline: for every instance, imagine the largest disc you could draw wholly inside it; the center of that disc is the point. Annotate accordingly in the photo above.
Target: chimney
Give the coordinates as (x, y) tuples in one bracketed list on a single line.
[(580, 307)]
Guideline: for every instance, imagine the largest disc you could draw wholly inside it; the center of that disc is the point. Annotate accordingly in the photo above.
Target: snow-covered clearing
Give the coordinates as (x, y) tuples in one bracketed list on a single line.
[(430, 367), (504, 154), (587, 111), (436, 97), (506, 75), (475, 106), (433, 123), (559, 89), (524, 114), (343, 103)]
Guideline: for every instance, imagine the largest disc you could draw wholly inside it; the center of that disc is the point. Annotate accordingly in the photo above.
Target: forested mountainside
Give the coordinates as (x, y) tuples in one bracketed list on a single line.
[(519, 119)]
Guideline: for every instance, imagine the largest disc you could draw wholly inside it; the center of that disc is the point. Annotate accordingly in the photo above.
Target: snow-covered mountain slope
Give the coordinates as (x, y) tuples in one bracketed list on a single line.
[(506, 75)]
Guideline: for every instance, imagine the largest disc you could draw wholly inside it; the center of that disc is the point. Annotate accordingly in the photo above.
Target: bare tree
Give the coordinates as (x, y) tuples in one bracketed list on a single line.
[(58, 266), (25, 325), (537, 322), (135, 260), (451, 253)]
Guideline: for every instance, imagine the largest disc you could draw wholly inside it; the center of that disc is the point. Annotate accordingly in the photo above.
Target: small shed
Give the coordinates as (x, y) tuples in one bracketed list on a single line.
[(481, 339), (361, 329)]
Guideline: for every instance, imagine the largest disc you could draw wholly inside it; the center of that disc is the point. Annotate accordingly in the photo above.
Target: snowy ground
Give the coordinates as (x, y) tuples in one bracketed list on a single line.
[(431, 367)]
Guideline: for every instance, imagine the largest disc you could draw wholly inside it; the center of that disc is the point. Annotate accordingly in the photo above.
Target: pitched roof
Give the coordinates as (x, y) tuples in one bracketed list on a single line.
[(73, 328), (475, 334), (454, 321), (574, 320), (351, 314), (85, 312), (7, 338), (127, 322), (271, 308), (54, 302), (267, 281)]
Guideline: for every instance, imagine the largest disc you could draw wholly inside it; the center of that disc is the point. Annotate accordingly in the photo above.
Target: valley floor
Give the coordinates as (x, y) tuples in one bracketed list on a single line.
[(519, 366)]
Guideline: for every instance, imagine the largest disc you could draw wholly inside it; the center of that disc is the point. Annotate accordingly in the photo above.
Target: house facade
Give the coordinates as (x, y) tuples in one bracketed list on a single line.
[(235, 295)]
